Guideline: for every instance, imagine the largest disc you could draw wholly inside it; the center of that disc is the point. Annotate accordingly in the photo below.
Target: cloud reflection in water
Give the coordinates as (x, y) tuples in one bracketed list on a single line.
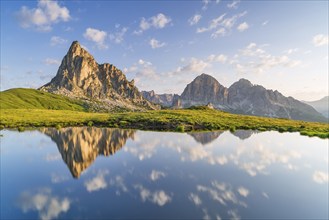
[(47, 205)]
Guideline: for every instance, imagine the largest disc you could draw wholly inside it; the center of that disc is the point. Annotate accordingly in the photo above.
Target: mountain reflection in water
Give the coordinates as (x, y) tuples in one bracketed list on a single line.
[(79, 146), (209, 136), (203, 175)]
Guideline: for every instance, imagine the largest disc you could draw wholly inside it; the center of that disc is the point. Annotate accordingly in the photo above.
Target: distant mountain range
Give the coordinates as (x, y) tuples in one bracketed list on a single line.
[(321, 105), (242, 97), (165, 100)]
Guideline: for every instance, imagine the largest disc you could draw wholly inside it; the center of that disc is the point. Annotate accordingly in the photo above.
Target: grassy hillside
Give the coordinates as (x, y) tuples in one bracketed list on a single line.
[(166, 120), (35, 99)]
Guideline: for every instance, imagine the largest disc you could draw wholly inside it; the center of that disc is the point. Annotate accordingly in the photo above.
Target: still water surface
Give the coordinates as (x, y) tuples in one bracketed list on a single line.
[(84, 173)]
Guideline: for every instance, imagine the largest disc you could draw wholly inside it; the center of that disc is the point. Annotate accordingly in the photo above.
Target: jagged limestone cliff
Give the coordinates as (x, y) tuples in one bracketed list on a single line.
[(80, 76)]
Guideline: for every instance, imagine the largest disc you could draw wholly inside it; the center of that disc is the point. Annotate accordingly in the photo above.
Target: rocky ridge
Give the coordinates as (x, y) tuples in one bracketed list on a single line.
[(321, 105), (162, 99), (80, 76), (243, 97)]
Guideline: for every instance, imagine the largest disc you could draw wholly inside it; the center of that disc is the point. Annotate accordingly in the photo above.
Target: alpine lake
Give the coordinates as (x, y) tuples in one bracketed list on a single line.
[(105, 173)]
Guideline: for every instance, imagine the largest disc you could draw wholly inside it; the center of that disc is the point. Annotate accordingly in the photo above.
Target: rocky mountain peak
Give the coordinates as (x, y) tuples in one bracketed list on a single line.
[(205, 77), (80, 76), (205, 89), (76, 50), (242, 83)]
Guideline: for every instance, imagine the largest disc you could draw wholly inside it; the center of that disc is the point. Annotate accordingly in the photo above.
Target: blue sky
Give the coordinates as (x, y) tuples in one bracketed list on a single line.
[(164, 45)]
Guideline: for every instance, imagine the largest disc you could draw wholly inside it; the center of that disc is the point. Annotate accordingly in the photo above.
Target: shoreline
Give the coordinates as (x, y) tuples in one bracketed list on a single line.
[(186, 120)]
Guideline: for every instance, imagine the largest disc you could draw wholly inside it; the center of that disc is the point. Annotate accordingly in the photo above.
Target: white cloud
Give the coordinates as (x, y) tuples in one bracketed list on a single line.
[(195, 199), (97, 183), (205, 4), (56, 40), (43, 16), (118, 36), (230, 22), (155, 175), (221, 26), (142, 69), (214, 23), (158, 21), (159, 198), (320, 40), (291, 51), (243, 26), (222, 193), (58, 178), (243, 191), (221, 58), (320, 177), (195, 19), (50, 61), (233, 4), (47, 205), (255, 59), (118, 181), (195, 66), (219, 33), (146, 146), (97, 36), (53, 157), (156, 44)]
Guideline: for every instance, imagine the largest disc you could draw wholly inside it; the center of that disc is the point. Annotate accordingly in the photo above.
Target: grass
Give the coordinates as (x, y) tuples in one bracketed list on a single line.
[(35, 99), (196, 119)]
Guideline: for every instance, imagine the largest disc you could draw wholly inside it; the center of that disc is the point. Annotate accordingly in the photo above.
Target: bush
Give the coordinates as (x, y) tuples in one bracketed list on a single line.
[(232, 129), (21, 129), (90, 123), (123, 123), (180, 128), (281, 130), (58, 126)]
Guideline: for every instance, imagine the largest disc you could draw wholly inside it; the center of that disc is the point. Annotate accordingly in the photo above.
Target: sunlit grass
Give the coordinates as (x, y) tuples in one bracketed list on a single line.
[(165, 120)]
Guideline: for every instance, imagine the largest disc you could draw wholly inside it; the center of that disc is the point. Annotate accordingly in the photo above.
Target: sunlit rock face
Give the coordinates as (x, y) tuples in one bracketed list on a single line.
[(80, 76), (80, 146), (202, 90)]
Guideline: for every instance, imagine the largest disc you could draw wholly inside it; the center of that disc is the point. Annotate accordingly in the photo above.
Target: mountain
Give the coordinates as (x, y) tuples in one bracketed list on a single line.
[(244, 98), (80, 146), (202, 90), (34, 99), (80, 76), (162, 99), (321, 105)]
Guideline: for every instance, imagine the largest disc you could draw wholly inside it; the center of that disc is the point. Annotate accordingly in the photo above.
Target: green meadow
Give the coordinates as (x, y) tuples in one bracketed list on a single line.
[(41, 109)]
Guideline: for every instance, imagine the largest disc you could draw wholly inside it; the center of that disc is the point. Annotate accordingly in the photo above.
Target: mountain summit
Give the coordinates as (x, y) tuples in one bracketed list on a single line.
[(80, 76), (204, 89)]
